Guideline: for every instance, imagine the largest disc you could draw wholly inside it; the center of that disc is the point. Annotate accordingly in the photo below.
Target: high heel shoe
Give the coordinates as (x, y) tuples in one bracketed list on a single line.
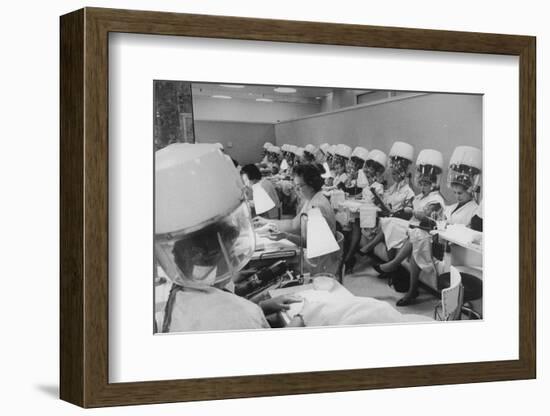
[(350, 264), (381, 273), (406, 301), (376, 266)]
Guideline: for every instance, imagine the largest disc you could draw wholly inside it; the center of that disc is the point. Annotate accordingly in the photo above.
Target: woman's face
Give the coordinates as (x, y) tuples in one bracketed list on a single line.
[(460, 194), (397, 175), (354, 166), (302, 189), (350, 167), (339, 167), (425, 187), (370, 174)]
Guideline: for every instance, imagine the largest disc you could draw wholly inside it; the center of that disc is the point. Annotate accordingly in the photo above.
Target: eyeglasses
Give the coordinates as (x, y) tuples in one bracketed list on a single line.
[(299, 185)]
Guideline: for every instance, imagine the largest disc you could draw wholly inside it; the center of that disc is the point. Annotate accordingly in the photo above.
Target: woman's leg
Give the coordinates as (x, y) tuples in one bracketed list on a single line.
[(355, 237), (413, 289), (378, 238), (404, 252)]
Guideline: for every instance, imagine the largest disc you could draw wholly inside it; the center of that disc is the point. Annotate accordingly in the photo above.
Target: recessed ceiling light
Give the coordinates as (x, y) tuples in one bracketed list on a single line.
[(285, 90), (318, 98), (224, 97), (264, 100), (231, 86)]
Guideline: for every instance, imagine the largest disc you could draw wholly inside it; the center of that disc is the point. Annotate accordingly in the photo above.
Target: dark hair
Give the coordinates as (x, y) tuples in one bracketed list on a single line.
[(339, 161), (252, 172), (202, 247), (311, 174), (357, 162), (375, 166), (460, 185)]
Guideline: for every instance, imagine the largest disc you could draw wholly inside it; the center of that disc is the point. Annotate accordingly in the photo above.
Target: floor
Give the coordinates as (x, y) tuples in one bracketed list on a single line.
[(364, 281)]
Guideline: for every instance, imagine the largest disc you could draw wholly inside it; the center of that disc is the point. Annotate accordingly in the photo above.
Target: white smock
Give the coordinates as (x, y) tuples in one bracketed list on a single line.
[(211, 309), (367, 194), (396, 230), (397, 195), (353, 310), (342, 178), (462, 215), (422, 240)]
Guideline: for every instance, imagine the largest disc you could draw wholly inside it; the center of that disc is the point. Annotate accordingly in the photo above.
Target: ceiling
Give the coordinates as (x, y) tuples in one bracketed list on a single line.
[(303, 95)]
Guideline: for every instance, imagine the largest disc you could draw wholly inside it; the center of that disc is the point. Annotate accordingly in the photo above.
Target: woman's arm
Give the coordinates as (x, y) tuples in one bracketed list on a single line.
[(293, 238), (287, 226)]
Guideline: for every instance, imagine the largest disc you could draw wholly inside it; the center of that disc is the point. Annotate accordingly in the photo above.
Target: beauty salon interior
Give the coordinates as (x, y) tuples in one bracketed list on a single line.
[(281, 205)]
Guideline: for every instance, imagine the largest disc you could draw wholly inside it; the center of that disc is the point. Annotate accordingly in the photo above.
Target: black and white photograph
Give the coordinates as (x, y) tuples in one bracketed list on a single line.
[(283, 206)]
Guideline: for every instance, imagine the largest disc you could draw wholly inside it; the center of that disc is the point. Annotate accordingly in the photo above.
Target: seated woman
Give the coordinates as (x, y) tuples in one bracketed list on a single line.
[(355, 164), (274, 160), (340, 174), (329, 163), (342, 154), (299, 155), (323, 153), (373, 170), (286, 163), (465, 208), (251, 176), (203, 240), (309, 154), (396, 201), (264, 154), (463, 178), (308, 183), (426, 204)]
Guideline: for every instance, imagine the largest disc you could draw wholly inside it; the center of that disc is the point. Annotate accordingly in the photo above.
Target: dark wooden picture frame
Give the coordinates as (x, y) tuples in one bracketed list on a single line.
[(84, 207)]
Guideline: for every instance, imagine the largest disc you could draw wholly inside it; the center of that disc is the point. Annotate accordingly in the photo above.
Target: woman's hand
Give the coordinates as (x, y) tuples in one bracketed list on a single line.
[(278, 304), (276, 236), (259, 221), (419, 214), (296, 322)]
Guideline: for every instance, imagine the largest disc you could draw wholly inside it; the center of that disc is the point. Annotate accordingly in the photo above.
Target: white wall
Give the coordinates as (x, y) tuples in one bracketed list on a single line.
[(208, 109), (338, 99), (242, 141), (432, 121), (29, 212)]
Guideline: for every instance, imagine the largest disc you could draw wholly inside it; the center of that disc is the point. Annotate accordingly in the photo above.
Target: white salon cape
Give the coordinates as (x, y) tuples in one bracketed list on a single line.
[(422, 241), (462, 215), (396, 230), (212, 309), (367, 194), (397, 195), (353, 310), (340, 179)]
